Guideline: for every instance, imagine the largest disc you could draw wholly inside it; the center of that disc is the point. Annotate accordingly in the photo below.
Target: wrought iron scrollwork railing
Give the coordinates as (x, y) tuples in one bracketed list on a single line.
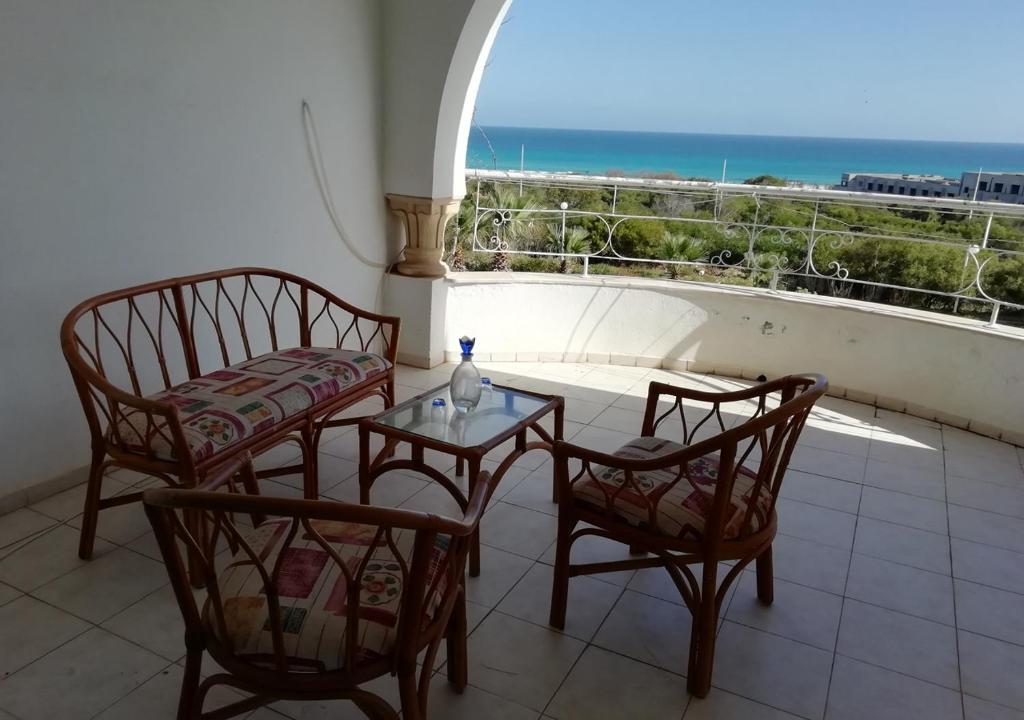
[(952, 255)]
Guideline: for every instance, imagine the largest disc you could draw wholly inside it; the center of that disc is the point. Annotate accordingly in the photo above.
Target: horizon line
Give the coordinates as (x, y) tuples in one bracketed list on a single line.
[(770, 135)]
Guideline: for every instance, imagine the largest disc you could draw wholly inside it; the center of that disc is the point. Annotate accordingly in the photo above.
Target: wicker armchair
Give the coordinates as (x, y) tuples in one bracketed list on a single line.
[(312, 598), (687, 501)]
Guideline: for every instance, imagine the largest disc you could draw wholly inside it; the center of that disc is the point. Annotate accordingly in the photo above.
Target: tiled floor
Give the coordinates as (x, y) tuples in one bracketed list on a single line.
[(899, 586)]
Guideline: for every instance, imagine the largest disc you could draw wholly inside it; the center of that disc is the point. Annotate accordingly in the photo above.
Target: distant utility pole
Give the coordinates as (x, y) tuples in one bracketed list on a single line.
[(724, 162), (522, 166), (974, 197)]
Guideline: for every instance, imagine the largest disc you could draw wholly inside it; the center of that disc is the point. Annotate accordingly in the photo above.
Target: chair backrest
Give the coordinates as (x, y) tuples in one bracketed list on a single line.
[(721, 487), (131, 343), (318, 587)]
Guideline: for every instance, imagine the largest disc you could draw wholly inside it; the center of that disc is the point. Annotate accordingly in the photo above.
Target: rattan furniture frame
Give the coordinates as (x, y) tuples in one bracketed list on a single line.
[(371, 469), (278, 676), (762, 444), (123, 345)]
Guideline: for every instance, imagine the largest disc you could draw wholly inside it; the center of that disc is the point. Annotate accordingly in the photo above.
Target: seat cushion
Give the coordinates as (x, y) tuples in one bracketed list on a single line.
[(678, 510), (313, 593), (225, 407)]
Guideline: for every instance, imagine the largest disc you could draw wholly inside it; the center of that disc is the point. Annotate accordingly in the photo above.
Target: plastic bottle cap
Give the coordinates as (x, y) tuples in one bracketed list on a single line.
[(439, 402), (485, 381)]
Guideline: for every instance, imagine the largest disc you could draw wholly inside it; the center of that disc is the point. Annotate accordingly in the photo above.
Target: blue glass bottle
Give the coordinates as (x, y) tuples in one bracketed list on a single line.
[(465, 382)]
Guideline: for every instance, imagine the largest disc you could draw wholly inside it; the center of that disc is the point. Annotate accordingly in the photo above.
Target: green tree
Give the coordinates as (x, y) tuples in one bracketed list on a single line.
[(575, 243), (517, 214), (679, 248)]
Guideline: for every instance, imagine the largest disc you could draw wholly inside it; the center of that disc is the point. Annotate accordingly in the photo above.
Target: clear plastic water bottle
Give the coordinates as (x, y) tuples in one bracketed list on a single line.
[(465, 383)]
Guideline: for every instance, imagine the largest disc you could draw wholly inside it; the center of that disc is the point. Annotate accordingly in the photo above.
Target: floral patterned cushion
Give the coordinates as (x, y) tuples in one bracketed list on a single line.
[(227, 406), (314, 593), (677, 509)]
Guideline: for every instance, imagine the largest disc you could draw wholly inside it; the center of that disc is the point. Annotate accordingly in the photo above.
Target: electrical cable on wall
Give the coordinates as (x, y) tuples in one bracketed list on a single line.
[(323, 185)]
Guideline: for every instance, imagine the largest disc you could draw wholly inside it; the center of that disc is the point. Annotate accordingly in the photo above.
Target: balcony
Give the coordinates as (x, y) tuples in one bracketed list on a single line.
[(899, 587)]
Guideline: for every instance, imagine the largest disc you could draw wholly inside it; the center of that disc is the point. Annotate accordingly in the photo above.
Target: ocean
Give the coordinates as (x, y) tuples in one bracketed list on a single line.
[(808, 159)]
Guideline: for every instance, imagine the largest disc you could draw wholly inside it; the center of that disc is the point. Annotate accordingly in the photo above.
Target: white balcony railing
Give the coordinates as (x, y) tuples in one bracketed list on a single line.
[(938, 254)]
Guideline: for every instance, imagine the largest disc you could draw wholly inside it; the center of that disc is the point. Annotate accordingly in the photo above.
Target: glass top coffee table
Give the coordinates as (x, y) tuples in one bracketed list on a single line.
[(503, 413)]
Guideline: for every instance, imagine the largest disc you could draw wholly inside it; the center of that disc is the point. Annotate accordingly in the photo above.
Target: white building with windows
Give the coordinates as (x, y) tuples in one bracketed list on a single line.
[(901, 184), (993, 186)]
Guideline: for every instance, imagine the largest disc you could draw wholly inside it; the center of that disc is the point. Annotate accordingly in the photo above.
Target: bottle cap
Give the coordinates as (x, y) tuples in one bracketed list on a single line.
[(485, 381), (439, 402)]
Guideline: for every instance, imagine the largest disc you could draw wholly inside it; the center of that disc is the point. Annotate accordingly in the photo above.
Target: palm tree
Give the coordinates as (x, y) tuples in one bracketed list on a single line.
[(679, 248), (575, 242), (517, 213), (458, 227)]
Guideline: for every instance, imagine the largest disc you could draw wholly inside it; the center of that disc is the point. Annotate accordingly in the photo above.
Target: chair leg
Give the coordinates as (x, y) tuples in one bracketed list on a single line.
[(458, 664), (90, 518), (765, 584), (702, 636), (252, 487), (310, 481), (560, 584), (407, 690), (187, 706)]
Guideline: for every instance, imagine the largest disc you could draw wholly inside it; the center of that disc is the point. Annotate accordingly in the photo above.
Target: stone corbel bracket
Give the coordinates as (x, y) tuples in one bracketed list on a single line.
[(423, 222)]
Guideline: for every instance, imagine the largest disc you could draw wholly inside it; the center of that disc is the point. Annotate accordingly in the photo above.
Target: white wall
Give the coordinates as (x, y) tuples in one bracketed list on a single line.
[(956, 371), (142, 139)]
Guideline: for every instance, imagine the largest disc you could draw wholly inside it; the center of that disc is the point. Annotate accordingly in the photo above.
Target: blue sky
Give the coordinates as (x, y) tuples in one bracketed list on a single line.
[(914, 69)]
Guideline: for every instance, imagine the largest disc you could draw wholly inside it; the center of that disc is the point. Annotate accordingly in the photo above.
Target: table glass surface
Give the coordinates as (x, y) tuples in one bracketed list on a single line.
[(500, 410)]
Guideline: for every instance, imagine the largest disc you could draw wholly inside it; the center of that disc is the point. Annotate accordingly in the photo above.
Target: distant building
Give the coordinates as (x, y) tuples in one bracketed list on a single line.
[(901, 184), (994, 187)]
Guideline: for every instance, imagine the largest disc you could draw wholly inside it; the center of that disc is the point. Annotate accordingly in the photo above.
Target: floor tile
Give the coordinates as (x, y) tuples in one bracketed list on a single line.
[(385, 686), (901, 587), (473, 704), (47, 558), (22, 524), (986, 527), (992, 670), (499, 572), (828, 463), (584, 411), (817, 524), (518, 530), (95, 670), (902, 509), (722, 705), (798, 612), (905, 451), (389, 490), (589, 601), (988, 565), (649, 630), (837, 437), (534, 492), (120, 524), (977, 709), (154, 622), (8, 593), (29, 629), (994, 469), (910, 645), (809, 563), (987, 611), (105, 586), (822, 491), (520, 661), (921, 482), (591, 548), (770, 669), (158, 698), (859, 691), (982, 495), (898, 543), (606, 686)]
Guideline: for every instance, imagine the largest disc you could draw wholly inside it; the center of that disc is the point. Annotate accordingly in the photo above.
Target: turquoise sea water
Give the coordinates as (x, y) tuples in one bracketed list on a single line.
[(811, 160)]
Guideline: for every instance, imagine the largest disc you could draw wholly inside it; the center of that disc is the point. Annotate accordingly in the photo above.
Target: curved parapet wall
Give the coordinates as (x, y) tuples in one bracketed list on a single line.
[(959, 372)]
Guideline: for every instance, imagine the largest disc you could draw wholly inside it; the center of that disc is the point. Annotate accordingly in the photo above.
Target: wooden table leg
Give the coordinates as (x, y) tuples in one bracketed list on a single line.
[(474, 546), (460, 466), (364, 464), (559, 431)]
